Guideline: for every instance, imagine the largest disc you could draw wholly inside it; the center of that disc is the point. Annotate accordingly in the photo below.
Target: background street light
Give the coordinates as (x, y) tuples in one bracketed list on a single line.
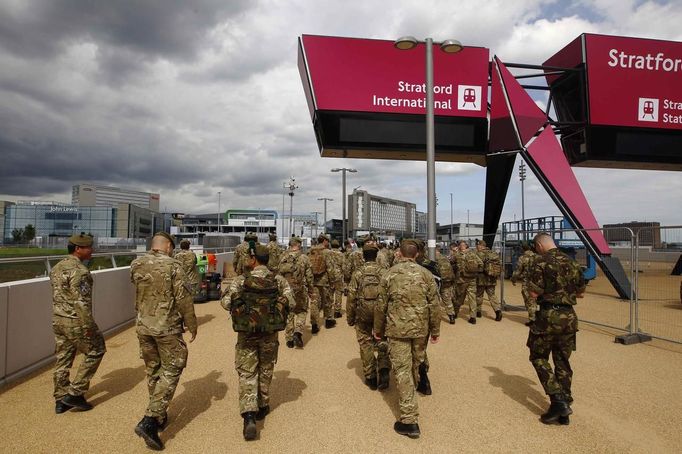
[(292, 187), (449, 46), (326, 199), (219, 211), (522, 177), (343, 170)]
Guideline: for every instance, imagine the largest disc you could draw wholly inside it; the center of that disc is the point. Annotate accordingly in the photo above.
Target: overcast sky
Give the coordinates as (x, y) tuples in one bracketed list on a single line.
[(188, 98)]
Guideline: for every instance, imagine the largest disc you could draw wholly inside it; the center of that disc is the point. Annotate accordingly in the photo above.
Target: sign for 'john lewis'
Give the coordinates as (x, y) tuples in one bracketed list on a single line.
[(634, 82), (364, 75)]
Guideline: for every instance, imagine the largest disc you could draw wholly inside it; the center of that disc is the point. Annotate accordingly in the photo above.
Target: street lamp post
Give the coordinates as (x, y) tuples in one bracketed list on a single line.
[(292, 187), (326, 199), (448, 46), (451, 217), (219, 211), (522, 177), (343, 170)]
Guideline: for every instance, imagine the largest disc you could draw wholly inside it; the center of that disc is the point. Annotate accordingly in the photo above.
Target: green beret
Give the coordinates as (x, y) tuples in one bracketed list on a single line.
[(335, 243), (370, 247), (82, 240), (295, 239), (170, 238)]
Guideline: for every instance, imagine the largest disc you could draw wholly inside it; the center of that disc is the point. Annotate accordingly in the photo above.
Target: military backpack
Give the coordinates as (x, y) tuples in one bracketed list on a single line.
[(493, 264), (318, 263), (274, 257), (472, 264), (259, 309), (368, 291), (288, 267)]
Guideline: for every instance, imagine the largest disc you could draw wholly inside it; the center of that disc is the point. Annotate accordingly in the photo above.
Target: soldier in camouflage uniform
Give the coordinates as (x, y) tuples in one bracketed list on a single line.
[(468, 265), (522, 272), (323, 280), (74, 328), (363, 292), (556, 281), (275, 253), (164, 309), (255, 353), (294, 266), (485, 284), (241, 254), (188, 259), (385, 256), (447, 286), (355, 260), (407, 312), (337, 286)]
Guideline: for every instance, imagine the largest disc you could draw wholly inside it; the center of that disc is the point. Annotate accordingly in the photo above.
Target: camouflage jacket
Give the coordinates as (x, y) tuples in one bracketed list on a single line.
[(72, 290), (188, 259), (523, 265), (447, 276), (408, 304), (356, 307), (162, 301), (339, 262), (355, 261), (329, 277), (240, 258), (556, 278), (275, 255), (385, 258), (301, 279), (482, 278), (456, 262), (236, 286)]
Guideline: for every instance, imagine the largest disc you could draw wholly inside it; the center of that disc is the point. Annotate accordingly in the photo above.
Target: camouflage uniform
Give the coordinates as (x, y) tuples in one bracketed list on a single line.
[(557, 279), (74, 328), (355, 261), (322, 285), (385, 258), (447, 290), (241, 255), (486, 284), (164, 308), (407, 312), (360, 312), (466, 282), (337, 285), (255, 353), (275, 254), (301, 284), (522, 271), (188, 259)]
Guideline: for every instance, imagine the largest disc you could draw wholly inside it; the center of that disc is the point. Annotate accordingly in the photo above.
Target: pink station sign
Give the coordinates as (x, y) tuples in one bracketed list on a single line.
[(634, 82), (366, 75)]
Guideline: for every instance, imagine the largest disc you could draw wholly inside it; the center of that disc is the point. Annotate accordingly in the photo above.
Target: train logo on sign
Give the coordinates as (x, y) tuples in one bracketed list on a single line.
[(469, 97), (648, 109)]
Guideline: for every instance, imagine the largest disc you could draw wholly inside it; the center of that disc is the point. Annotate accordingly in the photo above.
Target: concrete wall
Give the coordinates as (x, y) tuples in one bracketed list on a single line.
[(26, 338)]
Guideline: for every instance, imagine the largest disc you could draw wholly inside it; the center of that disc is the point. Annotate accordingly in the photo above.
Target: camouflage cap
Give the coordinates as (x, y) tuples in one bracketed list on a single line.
[(167, 236), (335, 243), (481, 242), (322, 237), (82, 240), (250, 236), (295, 239)]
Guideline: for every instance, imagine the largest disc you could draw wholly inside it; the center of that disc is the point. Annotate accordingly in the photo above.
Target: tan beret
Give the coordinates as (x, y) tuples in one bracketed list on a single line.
[(82, 240)]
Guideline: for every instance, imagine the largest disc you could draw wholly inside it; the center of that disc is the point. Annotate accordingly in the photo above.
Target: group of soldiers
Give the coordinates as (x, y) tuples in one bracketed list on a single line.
[(396, 298)]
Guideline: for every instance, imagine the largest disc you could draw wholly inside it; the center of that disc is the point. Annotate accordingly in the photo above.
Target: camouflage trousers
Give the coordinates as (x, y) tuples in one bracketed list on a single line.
[(490, 291), (295, 324), (338, 296), (368, 345), (406, 356), (447, 299), (554, 332), (322, 302), (164, 358), (528, 301), (465, 293), (72, 338), (254, 359)]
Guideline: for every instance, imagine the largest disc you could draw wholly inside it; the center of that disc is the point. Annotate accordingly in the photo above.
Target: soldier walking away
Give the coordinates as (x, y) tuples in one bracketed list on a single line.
[(337, 286), (188, 259), (164, 308), (74, 327), (275, 253), (522, 272), (487, 279), (447, 286), (324, 275), (294, 266), (363, 292), (556, 281), (241, 253), (469, 265), (258, 303), (407, 312)]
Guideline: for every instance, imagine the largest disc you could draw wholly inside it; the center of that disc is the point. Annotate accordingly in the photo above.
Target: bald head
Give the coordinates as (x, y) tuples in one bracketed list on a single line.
[(163, 244), (543, 242)]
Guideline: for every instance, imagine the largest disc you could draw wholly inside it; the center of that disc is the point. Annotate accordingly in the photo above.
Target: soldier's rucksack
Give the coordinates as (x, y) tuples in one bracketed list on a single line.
[(259, 309), (317, 262), (446, 272), (472, 263), (274, 257), (493, 265), (289, 270), (368, 292)]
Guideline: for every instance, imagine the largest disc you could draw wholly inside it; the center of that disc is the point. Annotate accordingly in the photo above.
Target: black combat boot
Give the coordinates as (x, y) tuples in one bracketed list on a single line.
[(262, 412), (564, 420), (452, 318), (329, 323), (77, 401), (424, 385), (529, 323), (371, 382), (411, 430), (163, 423), (472, 320), (498, 316), (250, 430), (315, 329), (557, 408), (298, 340), (337, 314), (60, 407), (148, 429), (479, 314), (383, 378), (290, 344)]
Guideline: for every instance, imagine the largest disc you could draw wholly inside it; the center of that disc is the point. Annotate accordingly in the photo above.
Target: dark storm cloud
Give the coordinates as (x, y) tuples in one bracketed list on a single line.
[(172, 29)]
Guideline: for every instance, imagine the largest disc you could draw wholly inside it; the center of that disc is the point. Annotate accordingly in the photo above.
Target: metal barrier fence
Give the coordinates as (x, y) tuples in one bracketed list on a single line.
[(651, 260)]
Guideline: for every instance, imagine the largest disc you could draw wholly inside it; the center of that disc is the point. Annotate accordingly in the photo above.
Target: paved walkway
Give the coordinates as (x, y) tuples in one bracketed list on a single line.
[(486, 398)]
